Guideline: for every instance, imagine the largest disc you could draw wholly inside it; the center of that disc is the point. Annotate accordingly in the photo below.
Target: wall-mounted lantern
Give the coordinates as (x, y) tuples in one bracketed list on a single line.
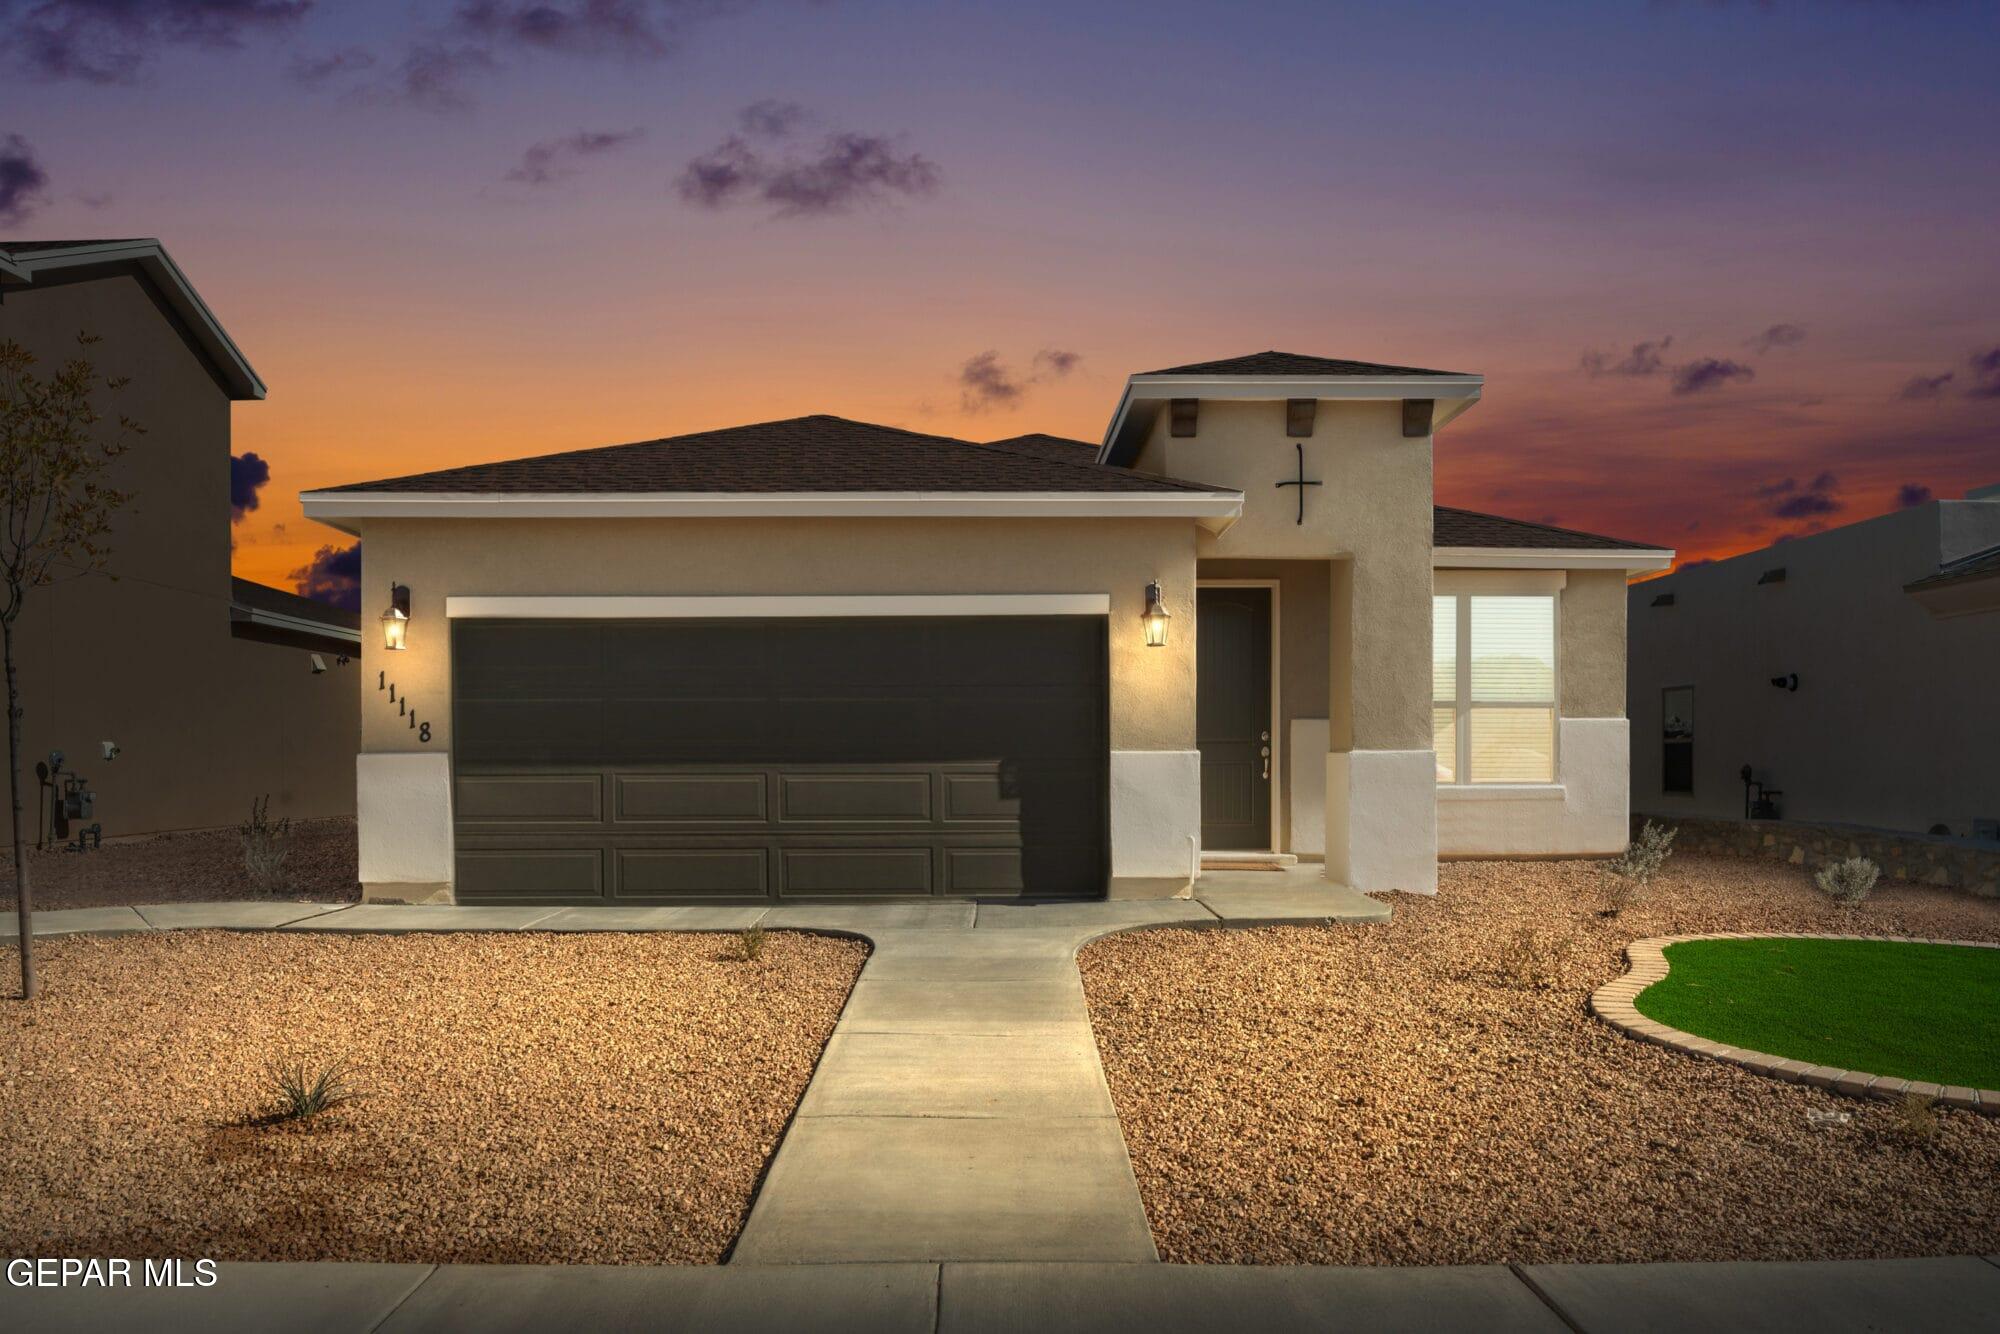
[(1155, 617), (396, 620)]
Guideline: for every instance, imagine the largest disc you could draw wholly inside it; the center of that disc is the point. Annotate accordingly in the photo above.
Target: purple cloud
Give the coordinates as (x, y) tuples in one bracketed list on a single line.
[(1985, 365), (1911, 494), (1055, 362), (247, 475), (984, 383), (553, 160), (433, 75), (333, 576), (1778, 335), (312, 71), (629, 28), (1791, 501), (23, 183), (109, 41), (1926, 386), (1646, 358), (771, 118), (847, 170), (1709, 373)]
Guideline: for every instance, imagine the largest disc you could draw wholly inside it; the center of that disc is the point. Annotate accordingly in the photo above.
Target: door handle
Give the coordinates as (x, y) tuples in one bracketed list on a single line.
[(1266, 752)]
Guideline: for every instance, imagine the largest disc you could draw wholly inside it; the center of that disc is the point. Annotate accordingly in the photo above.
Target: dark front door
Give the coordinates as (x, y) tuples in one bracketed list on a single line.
[(743, 760), (1233, 717)]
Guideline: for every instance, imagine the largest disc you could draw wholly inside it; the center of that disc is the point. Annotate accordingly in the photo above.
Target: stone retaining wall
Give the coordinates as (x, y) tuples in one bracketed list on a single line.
[(1924, 859)]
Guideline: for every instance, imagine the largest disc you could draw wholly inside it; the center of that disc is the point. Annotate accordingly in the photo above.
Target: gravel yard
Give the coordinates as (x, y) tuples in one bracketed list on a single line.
[(199, 866), (1432, 1091), (600, 1098)]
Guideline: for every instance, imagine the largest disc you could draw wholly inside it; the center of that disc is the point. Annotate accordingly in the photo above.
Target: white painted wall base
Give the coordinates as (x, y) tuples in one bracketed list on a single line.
[(1308, 787), (403, 809), (1155, 821), (1585, 812), (1381, 819)]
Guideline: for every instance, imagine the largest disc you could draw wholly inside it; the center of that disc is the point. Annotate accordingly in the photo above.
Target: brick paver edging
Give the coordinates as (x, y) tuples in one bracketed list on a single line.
[(1614, 1004)]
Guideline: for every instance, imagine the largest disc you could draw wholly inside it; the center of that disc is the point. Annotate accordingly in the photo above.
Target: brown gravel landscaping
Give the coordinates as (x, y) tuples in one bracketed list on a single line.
[(1433, 1091), (199, 866), (527, 1098)]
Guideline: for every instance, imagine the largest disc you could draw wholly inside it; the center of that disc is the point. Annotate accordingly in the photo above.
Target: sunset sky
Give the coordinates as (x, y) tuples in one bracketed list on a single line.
[(1732, 271)]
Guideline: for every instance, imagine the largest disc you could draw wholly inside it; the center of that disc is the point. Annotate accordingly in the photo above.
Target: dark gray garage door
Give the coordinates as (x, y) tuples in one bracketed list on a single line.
[(732, 760)]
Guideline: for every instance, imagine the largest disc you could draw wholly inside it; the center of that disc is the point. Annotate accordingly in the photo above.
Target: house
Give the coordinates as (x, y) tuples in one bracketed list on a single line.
[(820, 658), (207, 684), (1850, 671)]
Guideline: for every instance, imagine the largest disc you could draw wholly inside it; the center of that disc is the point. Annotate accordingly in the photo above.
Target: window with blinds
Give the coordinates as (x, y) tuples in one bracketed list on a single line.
[(1493, 687)]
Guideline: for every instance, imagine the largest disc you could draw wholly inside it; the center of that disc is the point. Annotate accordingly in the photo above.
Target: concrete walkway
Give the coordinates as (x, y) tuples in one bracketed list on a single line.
[(1834, 1297)]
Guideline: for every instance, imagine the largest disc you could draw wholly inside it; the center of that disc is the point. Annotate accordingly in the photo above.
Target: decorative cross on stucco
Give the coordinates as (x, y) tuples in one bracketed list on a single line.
[(1301, 482)]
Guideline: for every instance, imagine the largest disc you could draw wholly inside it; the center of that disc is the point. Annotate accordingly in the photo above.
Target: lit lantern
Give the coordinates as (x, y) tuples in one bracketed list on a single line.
[(1155, 617), (396, 620)]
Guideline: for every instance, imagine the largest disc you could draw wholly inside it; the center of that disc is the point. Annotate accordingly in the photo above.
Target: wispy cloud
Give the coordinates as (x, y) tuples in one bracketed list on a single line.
[(629, 29), (434, 76), (844, 170), (313, 71), (248, 474), (1926, 386), (1778, 335), (1985, 367), (1789, 500), (985, 383), (1709, 373), (554, 160), (111, 41), (1648, 358), (24, 182), (1911, 494)]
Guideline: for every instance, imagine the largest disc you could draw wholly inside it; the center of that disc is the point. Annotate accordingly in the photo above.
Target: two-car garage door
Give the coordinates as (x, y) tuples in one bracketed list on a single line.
[(757, 760)]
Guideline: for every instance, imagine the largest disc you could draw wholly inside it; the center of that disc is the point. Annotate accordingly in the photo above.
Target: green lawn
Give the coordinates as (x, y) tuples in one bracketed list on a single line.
[(1911, 1011)]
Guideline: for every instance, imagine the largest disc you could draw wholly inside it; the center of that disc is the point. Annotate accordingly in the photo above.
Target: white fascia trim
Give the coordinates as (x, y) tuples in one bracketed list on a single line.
[(158, 265), (1209, 508), (280, 621), (645, 607), (1630, 560)]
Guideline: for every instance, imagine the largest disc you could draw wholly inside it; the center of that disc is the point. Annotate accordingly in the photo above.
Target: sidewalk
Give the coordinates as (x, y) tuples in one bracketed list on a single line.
[(1831, 1297)]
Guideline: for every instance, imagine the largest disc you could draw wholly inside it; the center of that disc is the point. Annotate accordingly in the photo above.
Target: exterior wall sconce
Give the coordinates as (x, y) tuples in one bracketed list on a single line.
[(396, 620), (1155, 617), (1789, 681)]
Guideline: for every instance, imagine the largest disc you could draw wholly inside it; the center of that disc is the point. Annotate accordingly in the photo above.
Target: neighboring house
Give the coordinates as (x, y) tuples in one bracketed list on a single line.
[(1853, 670), (818, 658), (205, 682)]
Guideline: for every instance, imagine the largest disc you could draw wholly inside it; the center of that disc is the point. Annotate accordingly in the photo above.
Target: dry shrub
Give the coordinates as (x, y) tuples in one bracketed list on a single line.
[(1848, 882), (1627, 875), (267, 847)]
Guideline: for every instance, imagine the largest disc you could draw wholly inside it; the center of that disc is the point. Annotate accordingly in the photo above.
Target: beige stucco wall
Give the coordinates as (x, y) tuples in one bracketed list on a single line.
[(141, 653), (1152, 689), (1371, 512), (1590, 645)]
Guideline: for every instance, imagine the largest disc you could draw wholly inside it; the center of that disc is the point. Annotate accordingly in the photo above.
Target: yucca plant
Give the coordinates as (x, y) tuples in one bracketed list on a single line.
[(304, 1091)]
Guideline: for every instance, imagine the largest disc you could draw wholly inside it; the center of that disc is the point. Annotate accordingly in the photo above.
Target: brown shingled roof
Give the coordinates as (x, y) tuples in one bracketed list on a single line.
[(1469, 528), (819, 453), (1292, 363)]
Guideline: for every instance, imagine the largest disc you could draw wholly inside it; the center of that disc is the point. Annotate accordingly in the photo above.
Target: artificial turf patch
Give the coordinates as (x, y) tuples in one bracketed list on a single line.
[(1905, 1010)]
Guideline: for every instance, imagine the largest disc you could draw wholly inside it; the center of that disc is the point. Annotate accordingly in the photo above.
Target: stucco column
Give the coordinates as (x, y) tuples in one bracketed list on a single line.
[(1381, 777)]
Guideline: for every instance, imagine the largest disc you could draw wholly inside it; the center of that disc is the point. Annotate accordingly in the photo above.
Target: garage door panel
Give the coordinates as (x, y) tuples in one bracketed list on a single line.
[(700, 798), (742, 759), (516, 798), (857, 870), (693, 873), (533, 875), (870, 798)]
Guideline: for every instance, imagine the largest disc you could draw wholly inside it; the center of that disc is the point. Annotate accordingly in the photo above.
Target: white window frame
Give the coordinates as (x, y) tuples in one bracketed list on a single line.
[(1461, 592)]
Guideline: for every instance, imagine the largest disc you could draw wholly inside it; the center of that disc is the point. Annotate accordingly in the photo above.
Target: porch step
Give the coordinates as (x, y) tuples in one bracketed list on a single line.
[(1247, 861)]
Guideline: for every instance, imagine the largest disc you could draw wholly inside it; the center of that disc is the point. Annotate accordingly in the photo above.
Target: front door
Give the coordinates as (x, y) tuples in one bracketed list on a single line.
[(1233, 717)]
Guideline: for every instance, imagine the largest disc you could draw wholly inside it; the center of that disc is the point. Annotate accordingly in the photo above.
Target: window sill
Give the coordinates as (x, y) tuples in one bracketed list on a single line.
[(1500, 791)]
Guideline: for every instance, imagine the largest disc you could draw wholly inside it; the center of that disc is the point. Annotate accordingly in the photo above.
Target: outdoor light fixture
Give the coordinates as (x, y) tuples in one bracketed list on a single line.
[(1155, 617), (396, 620)]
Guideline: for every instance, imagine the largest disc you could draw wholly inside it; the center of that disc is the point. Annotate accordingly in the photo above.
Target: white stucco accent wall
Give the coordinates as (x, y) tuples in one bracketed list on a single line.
[(403, 804), (1381, 819), (1306, 780), (1584, 812), (1155, 821)]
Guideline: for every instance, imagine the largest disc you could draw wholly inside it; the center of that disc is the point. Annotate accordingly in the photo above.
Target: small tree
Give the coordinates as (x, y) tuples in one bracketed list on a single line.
[(54, 451)]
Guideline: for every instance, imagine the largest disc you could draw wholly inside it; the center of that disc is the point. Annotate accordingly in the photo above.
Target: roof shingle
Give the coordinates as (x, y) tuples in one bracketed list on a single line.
[(818, 453), (1292, 363), (1469, 528)]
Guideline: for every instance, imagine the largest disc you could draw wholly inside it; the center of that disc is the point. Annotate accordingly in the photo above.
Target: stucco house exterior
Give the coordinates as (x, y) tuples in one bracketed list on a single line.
[(1852, 670), (817, 658), (206, 683)]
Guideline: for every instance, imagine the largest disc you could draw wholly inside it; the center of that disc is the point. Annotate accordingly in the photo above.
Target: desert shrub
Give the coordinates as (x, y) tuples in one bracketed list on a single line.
[(1628, 874), (750, 944), (1916, 1119), (1848, 882), (267, 847), (304, 1091)]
